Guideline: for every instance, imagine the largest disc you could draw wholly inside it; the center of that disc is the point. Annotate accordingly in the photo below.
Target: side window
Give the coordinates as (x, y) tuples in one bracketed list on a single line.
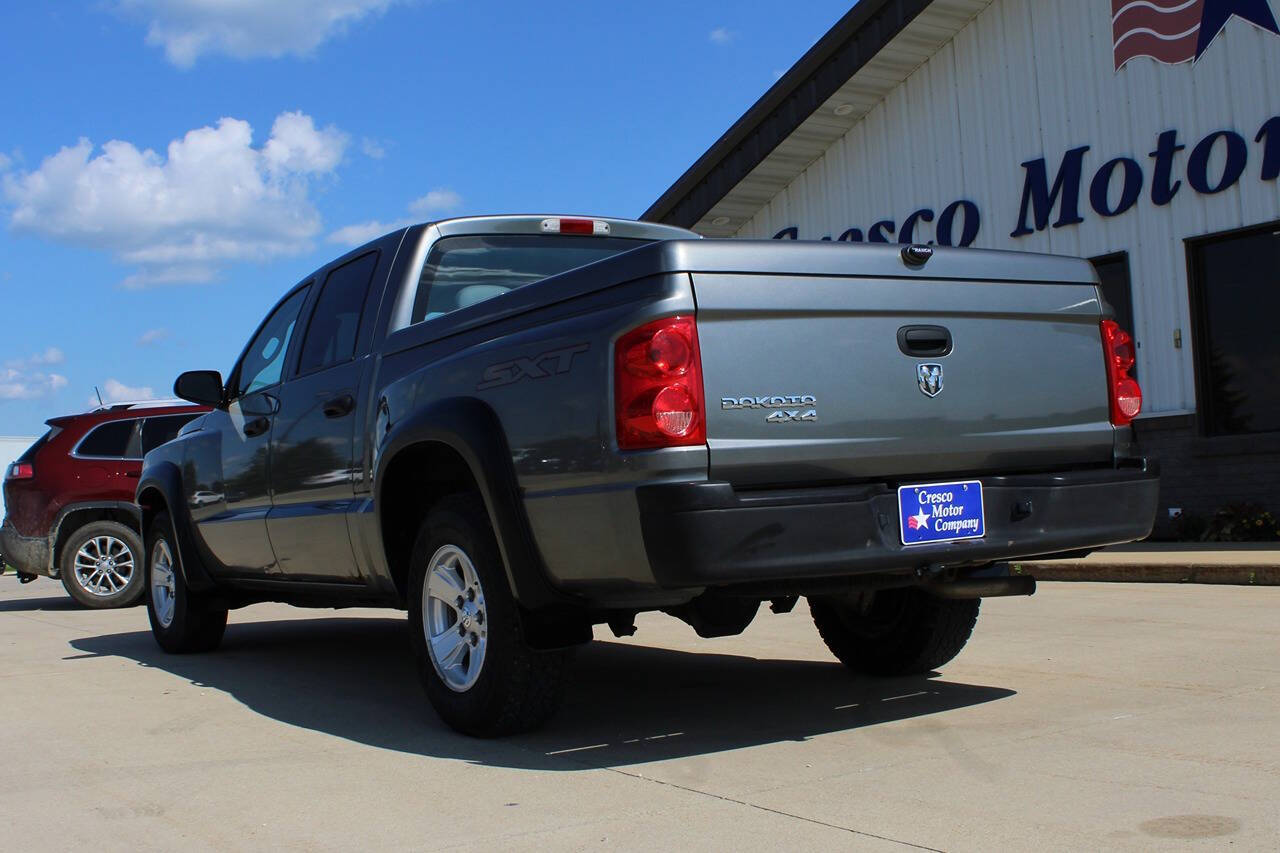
[(335, 322), (112, 440), (157, 431), (265, 357), (461, 271)]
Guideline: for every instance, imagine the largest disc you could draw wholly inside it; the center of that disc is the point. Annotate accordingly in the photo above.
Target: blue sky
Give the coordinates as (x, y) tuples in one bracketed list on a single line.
[(169, 167)]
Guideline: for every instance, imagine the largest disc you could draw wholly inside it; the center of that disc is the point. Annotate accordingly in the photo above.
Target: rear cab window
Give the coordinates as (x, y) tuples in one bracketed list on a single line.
[(462, 271), (335, 320)]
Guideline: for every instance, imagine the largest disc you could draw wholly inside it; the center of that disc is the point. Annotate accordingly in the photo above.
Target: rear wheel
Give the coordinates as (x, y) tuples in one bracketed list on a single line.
[(480, 675), (102, 565), (181, 621), (894, 631)]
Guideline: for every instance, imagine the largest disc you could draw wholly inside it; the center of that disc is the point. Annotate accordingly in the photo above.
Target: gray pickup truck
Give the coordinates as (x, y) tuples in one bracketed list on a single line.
[(518, 428)]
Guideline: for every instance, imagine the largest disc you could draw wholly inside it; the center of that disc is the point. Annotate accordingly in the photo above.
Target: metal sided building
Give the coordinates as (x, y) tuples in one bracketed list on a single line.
[(1143, 134)]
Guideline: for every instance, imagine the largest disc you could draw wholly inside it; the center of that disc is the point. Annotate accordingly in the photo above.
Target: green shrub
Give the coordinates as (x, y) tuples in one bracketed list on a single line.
[(1242, 522)]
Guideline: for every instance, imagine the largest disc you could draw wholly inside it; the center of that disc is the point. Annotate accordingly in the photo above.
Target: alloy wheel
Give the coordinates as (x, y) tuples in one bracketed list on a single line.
[(162, 582), (454, 618), (103, 566)]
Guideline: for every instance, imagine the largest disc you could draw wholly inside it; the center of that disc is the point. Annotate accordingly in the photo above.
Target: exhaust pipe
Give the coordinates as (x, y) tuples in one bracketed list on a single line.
[(983, 587)]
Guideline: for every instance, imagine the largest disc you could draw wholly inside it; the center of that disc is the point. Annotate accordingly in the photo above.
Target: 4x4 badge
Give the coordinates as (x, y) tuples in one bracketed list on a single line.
[(930, 379)]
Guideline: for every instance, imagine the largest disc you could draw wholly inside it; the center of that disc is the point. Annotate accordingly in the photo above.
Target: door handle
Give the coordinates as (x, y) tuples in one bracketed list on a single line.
[(134, 474), (339, 406), (257, 426)]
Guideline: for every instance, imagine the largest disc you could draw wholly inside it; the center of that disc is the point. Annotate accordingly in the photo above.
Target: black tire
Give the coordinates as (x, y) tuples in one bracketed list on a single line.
[(80, 578), (196, 625), (894, 631), (517, 688)]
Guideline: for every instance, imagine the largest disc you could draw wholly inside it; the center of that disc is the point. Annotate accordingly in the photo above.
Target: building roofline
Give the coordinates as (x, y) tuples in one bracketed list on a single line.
[(850, 44)]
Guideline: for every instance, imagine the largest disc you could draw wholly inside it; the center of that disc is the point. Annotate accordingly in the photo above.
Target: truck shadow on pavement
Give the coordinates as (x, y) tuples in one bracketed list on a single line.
[(353, 678), (22, 605)]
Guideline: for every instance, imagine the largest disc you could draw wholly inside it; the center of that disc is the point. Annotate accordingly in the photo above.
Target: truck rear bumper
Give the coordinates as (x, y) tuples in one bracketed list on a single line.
[(26, 554), (708, 534)]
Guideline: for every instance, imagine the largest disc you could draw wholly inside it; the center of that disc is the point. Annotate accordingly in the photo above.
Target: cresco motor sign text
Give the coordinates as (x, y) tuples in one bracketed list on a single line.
[(1064, 195)]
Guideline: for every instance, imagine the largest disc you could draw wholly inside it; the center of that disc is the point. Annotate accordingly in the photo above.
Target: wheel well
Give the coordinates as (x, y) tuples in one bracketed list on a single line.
[(77, 518), (417, 478), (153, 503)]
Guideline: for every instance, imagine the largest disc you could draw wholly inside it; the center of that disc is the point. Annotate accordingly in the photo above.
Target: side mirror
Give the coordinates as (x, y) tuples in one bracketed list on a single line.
[(200, 386)]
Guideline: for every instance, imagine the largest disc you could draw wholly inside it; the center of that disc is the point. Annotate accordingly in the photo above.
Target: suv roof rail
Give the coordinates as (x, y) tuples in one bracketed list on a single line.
[(140, 404)]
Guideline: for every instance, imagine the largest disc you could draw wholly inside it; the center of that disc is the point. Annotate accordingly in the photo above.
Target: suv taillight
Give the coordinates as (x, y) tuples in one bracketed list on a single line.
[(1123, 390), (20, 471), (657, 386)]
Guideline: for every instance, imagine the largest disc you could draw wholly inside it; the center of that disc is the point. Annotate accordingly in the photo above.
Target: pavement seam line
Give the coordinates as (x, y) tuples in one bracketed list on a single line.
[(778, 812)]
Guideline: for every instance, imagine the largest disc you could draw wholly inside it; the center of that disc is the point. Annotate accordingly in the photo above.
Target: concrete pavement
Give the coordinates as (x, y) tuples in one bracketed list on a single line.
[(1128, 717)]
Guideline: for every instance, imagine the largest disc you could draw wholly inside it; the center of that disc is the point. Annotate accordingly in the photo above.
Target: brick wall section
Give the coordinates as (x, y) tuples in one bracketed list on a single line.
[(1203, 474)]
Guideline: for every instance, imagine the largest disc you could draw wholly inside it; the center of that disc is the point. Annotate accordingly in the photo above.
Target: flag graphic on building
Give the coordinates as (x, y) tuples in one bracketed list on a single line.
[(1173, 31)]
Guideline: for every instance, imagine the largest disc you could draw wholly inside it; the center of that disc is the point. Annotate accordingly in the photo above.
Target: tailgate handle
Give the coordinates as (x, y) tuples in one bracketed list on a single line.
[(924, 341)]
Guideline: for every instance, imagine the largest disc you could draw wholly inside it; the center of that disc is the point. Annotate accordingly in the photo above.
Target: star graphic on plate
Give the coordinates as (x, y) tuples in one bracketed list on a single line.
[(1218, 12), (921, 519)]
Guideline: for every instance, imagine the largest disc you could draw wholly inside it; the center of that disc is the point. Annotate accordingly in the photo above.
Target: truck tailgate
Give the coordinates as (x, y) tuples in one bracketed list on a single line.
[(806, 378)]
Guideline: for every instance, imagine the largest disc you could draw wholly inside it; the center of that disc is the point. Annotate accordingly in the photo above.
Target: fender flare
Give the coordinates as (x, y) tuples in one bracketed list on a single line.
[(165, 478), (471, 429), (55, 530)]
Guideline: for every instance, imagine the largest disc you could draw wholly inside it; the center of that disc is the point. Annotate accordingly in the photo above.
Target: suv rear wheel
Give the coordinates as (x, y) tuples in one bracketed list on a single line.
[(102, 565), (480, 675), (894, 631), (181, 620)]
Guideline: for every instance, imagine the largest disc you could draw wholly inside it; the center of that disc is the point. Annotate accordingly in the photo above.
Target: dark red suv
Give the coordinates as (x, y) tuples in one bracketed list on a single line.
[(69, 500)]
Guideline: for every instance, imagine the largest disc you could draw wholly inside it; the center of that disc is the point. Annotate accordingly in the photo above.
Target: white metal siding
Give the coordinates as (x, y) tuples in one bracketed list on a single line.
[(10, 449), (1033, 78)]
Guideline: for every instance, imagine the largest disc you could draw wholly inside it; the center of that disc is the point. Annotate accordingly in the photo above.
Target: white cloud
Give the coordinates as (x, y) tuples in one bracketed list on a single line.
[(211, 199), (245, 29), (26, 379), (114, 391), (373, 149), (439, 200), (721, 35), (363, 232), (152, 336), (5, 162), (51, 355), (296, 146)]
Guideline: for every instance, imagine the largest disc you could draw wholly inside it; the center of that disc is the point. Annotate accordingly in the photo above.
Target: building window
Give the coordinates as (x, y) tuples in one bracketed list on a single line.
[(1235, 298)]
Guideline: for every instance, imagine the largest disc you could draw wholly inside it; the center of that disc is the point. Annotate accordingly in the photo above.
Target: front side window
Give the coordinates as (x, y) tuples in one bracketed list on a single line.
[(335, 322), (461, 271), (112, 440), (265, 357), (1237, 300)]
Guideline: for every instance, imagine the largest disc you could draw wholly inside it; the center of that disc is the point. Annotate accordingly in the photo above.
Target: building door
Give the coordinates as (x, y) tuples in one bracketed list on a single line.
[(1235, 302)]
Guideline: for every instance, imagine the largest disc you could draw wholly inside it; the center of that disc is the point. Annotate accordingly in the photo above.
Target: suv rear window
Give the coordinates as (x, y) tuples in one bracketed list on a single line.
[(112, 440), (462, 271)]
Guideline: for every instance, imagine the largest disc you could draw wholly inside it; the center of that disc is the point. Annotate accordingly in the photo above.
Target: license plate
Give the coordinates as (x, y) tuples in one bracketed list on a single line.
[(941, 512)]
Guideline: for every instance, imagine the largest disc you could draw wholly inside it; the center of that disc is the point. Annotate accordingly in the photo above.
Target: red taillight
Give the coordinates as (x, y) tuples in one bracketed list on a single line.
[(20, 471), (1126, 396), (657, 386)]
